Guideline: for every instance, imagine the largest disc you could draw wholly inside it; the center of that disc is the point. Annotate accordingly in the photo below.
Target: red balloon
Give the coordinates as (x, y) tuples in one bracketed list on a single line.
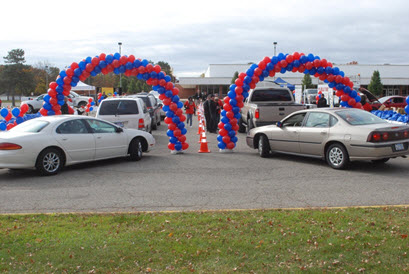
[(149, 68), (8, 117), (157, 68), (172, 126), (358, 105), (339, 93), (131, 58), (67, 80), (235, 127), (162, 82), (182, 118), (255, 79), (317, 98), (95, 61), (226, 139), (89, 67), (320, 92), (238, 90), (323, 76), (123, 60), (115, 63), (338, 79), (43, 111), (308, 65), (171, 146), (179, 112), (296, 56), (69, 72), (345, 98), (185, 146), (58, 112), (240, 104), (102, 57), (317, 63), (166, 101), (283, 63), (70, 110), (230, 114), (53, 85), (267, 59), (262, 65), (330, 78), (53, 101), (233, 121), (277, 68), (10, 126), (74, 66), (351, 102), (182, 138), (230, 145), (66, 92), (227, 107), (90, 100), (23, 108), (238, 82), (173, 106), (301, 68), (226, 100), (223, 132), (168, 120), (104, 71), (324, 63), (56, 107), (175, 91), (169, 85), (220, 125), (252, 85), (289, 58), (177, 132), (242, 75)]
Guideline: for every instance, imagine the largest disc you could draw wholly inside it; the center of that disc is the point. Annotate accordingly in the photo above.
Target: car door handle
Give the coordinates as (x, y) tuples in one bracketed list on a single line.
[(64, 139), (99, 137), (323, 132)]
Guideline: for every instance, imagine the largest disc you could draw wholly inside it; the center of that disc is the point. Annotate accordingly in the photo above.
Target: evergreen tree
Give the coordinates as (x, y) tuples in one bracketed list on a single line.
[(235, 76), (375, 86), (132, 86), (307, 82)]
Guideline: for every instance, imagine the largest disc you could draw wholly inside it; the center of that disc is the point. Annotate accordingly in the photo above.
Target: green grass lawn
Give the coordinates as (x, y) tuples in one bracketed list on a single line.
[(346, 240)]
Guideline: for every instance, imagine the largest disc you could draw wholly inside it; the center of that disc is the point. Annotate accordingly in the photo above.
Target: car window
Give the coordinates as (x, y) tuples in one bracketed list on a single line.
[(72, 127), (333, 121), (359, 117), (264, 95), (41, 97), (294, 121), (398, 100), (101, 127), (33, 126), (146, 101), (317, 119), (128, 107), (145, 109)]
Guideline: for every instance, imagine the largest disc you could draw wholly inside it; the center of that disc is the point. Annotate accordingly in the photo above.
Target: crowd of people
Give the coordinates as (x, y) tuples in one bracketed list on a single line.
[(212, 107)]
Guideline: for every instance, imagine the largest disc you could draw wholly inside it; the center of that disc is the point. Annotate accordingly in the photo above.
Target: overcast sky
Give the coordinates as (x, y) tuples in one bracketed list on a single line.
[(190, 35)]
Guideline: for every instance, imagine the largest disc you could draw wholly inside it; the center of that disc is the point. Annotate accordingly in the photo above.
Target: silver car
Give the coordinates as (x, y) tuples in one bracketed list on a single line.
[(338, 135)]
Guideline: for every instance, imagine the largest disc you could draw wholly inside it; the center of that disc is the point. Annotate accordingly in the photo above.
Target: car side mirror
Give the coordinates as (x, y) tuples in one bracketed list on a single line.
[(279, 124), (119, 130)]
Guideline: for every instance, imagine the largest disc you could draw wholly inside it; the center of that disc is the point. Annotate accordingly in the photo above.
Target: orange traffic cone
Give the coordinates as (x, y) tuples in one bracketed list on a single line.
[(203, 146), (202, 136)]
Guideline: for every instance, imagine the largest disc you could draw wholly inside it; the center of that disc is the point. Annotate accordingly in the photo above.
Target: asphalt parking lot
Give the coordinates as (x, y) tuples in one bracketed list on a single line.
[(204, 181)]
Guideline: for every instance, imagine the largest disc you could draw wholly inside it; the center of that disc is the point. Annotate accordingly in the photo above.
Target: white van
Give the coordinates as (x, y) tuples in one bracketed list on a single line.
[(125, 112)]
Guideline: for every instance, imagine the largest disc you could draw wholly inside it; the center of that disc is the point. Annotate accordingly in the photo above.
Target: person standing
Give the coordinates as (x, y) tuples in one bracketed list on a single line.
[(219, 108), (214, 114), (322, 102), (206, 108), (190, 109), (64, 108)]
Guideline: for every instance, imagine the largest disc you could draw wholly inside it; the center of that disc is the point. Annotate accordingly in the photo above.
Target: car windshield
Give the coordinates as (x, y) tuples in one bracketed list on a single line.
[(358, 117), (30, 126), (118, 107), (146, 100), (265, 95), (383, 99)]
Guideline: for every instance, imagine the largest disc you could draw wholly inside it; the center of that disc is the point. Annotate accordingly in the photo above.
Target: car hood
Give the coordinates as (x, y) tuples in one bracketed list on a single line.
[(371, 97)]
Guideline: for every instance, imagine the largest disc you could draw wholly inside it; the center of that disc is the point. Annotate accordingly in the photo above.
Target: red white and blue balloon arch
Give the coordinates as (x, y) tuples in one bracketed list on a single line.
[(154, 76)]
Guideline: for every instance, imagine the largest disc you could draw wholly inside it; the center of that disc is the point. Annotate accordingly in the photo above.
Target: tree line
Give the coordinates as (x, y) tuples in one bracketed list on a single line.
[(18, 78)]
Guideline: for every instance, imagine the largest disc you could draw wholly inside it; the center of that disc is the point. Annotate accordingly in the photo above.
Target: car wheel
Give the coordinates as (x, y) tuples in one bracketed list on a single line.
[(49, 162), (158, 123), (337, 156), (263, 146), (249, 125), (135, 150), (30, 109), (242, 128), (380, 161)]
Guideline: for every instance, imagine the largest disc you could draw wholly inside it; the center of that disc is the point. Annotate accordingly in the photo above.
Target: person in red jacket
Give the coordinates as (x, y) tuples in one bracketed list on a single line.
[(190, 109)]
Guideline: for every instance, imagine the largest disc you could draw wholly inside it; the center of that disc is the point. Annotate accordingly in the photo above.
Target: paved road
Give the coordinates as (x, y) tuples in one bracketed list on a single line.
[(193, 181)]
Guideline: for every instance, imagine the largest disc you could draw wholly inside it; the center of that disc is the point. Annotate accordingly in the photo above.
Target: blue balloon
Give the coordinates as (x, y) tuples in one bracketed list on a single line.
[(221, 145), (270, 67), (117, 56), (320, 70), (180, 104), (224, 120), (161, 75), (306, 71), (246, 88), (347, 90), (227, 126), (281, 56), (60, 97), (60, 102), (3, 126), (170, 133), (233, 102), (50, 113), (102, 64), (407, 109), (261, 78), (231, 94), (145, 62), (122, 69), (296, 63), (274, 60), (232, 87), (331, 84), (341, 73), (283, 70), (92, 103), (328, 70), (4, 112), (137, 63), (93, 73), (175, 119), (175, 99), (219, 138), (169, 93), (15, 112), (161, 90), (165, 108), (168, 78), (97, 69), (335, 71), (88, 60), (247, 79), (237, 116), (311, 57), (63, 74), (60, 81), (313, 71), (82, 65), (223, 113), (77, 72), (173, 140), (266, 73), (234, 139), (304, 59), (178, 146), (232, 133), (358, 99), (109, 59), (181, 125), (170, 114), (236, 110), (47, 98), (183, 131), (407, 100), (145, 76), (250, 72), (353, 93), (153, 74), (129, 66)]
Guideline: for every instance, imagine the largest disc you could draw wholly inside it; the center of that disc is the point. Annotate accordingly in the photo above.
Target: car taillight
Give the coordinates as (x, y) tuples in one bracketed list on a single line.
[(9, 146), (141, 124), (385, 136), (257, 114), (374, 137), (406, 134)]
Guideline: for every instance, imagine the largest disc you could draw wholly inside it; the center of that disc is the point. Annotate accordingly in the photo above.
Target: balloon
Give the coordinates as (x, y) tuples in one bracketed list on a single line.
[(3, 126), (4, 112), (230, 145), (221, 145)]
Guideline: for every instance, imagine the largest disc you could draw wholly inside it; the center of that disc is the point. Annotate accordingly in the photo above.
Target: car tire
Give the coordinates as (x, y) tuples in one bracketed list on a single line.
[(158, 123), (263, 146), (337, 156), (30, 109), (380, 161), (135, 150), (49, 162), (154, 126), (249, 125), (242, 128)]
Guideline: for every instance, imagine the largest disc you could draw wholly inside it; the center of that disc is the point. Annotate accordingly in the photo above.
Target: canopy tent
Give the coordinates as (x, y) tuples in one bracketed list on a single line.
[(81, 86), (283, 83)]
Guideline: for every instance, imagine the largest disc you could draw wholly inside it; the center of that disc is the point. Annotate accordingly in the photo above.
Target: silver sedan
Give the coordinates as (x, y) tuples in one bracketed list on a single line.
[(337, 135)]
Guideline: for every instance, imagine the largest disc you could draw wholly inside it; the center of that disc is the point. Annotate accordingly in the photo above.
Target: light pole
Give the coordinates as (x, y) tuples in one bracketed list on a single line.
[(275, 46), (46, 77), (120, 75)]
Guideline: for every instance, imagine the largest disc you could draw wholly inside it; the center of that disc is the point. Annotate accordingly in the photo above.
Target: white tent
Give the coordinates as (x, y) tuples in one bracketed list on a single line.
[(83, 87)]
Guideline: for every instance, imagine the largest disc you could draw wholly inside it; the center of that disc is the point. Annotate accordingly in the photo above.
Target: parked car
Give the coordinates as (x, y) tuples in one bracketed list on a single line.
[(393, 101), (52, 142), (266, 105), (311, 96), (156, 94), (338, 135), (153, 107), (125, 112), (76, 100)]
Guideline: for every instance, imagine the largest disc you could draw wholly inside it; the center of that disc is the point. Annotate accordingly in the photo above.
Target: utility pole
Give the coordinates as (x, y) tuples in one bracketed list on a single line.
[(120, 75)]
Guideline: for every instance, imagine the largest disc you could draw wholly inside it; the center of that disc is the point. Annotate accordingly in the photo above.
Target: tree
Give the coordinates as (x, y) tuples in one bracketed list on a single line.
[(307, 82), (235, 76), (166, 68), (375, 86), (132, 86), (16, 76)]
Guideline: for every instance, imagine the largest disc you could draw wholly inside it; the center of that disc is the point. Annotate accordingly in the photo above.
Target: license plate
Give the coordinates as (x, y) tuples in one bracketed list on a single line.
[(121, 124), (399, 147)]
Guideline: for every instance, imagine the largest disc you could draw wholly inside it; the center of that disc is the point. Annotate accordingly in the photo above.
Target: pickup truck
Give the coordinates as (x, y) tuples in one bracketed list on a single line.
[(267, 105), (35, 104)]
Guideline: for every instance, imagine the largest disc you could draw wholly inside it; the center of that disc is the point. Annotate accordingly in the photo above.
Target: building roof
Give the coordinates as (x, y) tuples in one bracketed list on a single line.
[(221, 74)]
